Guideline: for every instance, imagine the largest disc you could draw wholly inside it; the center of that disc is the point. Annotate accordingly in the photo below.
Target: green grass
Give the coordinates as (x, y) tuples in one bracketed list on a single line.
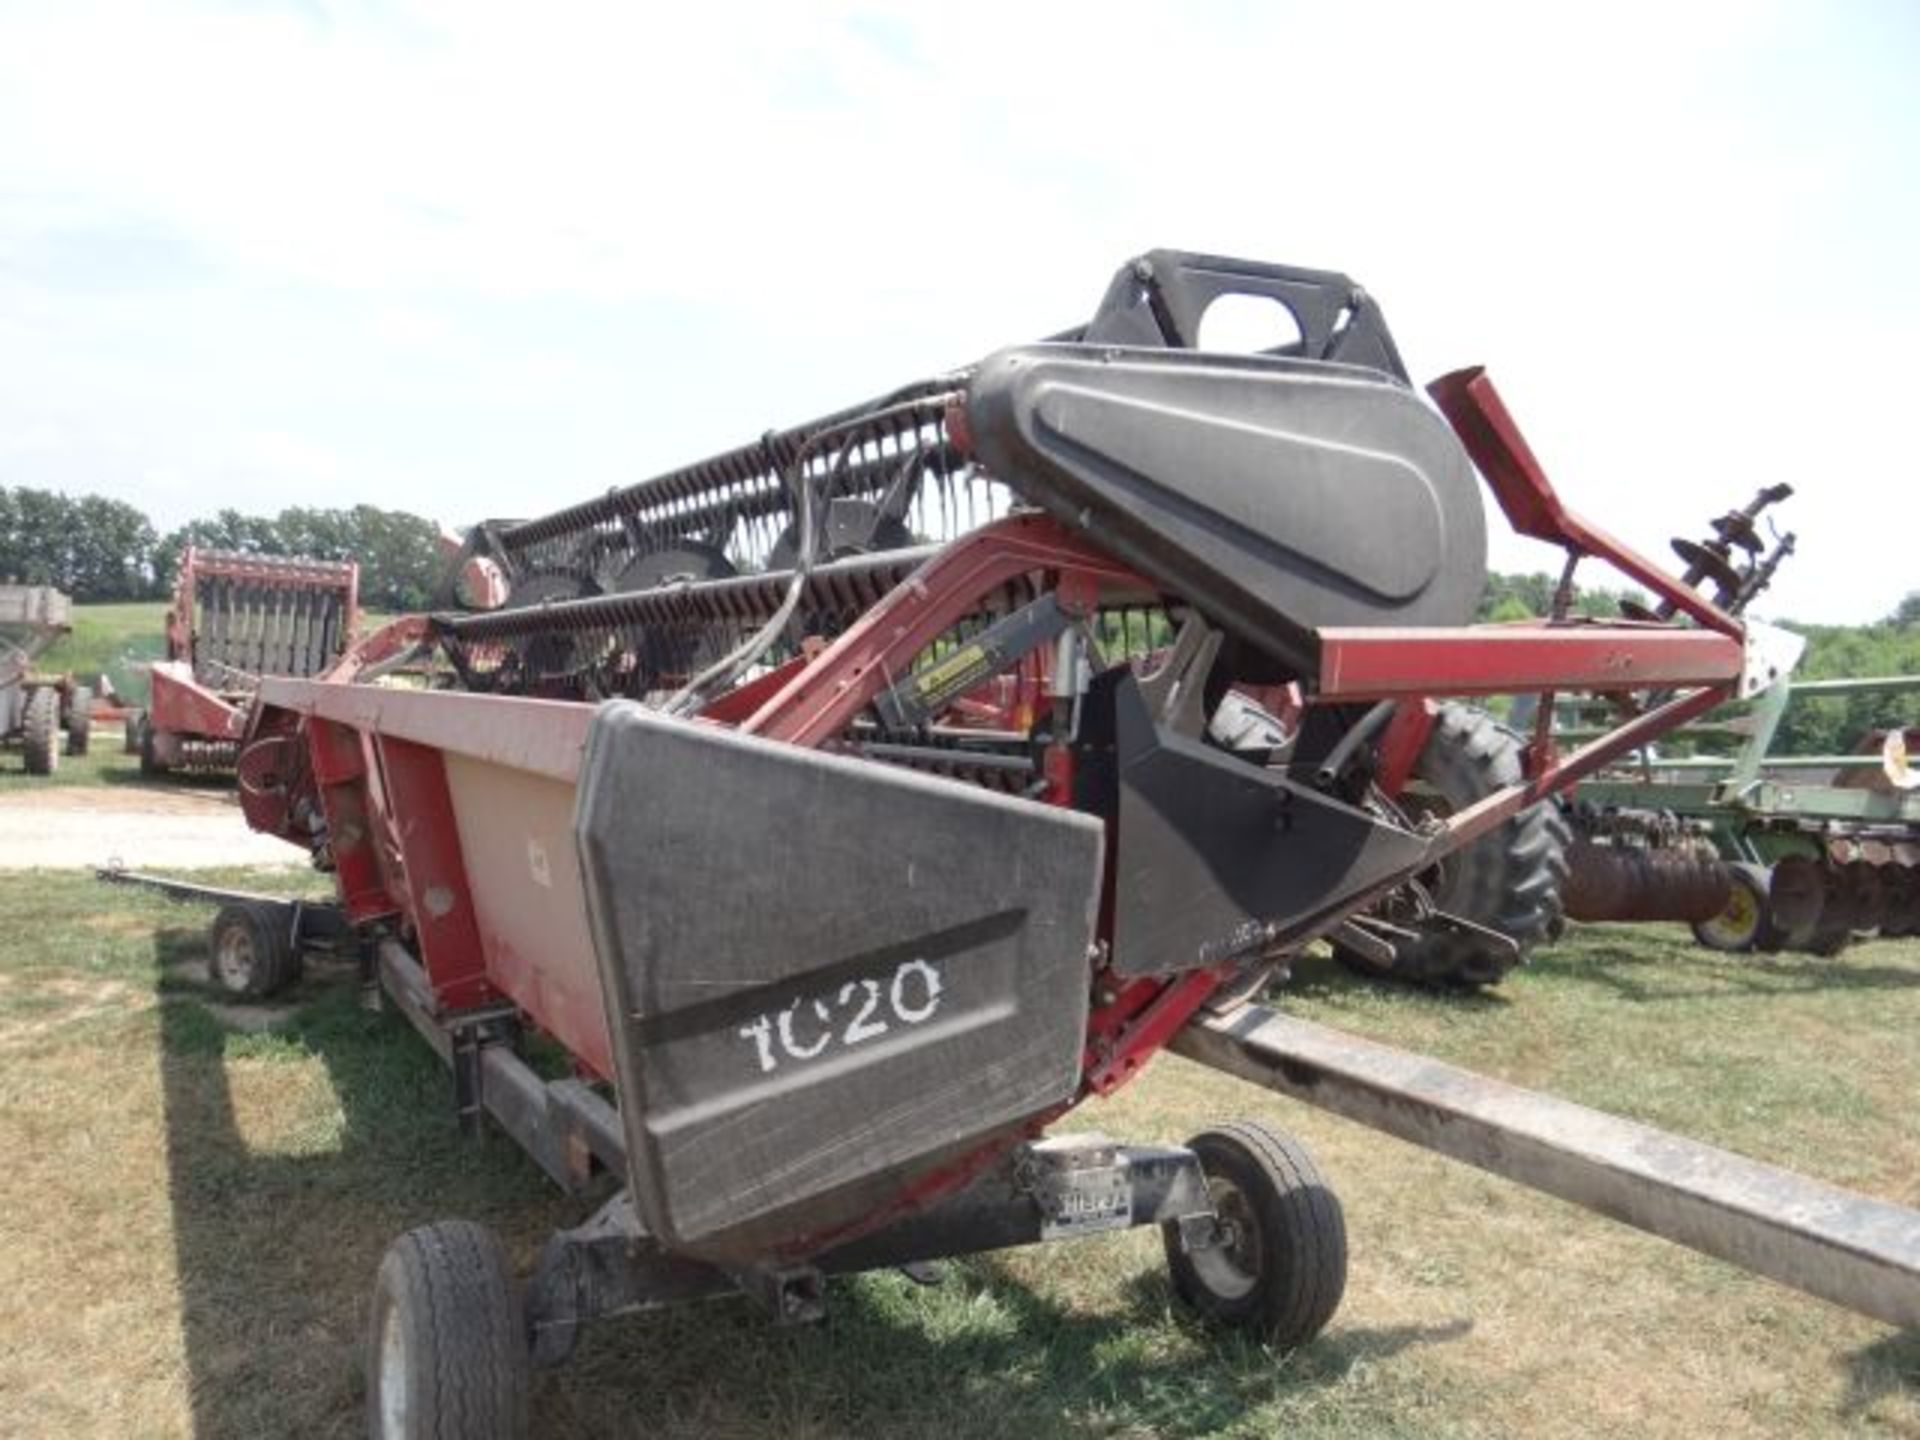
[(191, 1214), (117, 640)]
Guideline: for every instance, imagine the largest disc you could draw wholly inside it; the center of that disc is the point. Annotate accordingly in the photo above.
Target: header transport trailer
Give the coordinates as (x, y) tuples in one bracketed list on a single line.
[(36, 710), (235, 618), (830, 956)]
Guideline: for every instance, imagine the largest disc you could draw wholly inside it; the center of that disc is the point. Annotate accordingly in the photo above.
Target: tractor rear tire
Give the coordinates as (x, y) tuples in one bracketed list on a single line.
[(40, 731), (447, 1352), (1509, 880), (250, 951), (1279, 1265), (1746, 922), (79, 719), (130, 737)]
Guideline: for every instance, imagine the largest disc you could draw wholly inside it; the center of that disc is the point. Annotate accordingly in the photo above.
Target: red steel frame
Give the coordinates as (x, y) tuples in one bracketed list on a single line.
[(380, 757)]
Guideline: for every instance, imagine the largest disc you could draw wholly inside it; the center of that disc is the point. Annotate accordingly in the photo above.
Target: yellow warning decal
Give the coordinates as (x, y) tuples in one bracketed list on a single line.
[(957, 671)]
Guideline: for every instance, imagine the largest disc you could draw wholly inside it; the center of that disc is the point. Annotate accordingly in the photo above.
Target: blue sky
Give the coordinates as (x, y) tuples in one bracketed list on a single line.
[(473, 260)]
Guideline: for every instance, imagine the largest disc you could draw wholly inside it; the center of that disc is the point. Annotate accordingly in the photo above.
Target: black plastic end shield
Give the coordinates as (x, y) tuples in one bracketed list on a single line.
[(819, 971), (1280, 496), (1216, 858)]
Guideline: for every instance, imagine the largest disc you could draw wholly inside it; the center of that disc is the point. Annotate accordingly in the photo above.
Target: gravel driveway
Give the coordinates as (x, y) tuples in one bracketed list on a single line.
[(140, 829)]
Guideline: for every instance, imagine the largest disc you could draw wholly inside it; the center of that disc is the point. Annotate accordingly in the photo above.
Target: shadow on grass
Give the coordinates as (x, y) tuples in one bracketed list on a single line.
[(130, 777), (276, 1242), (277, 1239), (1321, 976), (1886, 1369), (1649, 967), (982, 1356)]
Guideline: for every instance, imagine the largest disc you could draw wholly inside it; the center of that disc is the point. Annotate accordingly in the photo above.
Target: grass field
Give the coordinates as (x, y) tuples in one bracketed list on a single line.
[(119, 640), (191, 1213)]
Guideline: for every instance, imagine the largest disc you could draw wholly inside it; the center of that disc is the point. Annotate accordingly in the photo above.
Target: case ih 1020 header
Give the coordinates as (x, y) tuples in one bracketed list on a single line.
[(852, 805)]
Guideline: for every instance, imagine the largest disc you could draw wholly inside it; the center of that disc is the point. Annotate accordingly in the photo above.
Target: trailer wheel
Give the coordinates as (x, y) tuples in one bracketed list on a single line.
[(1509, 880), (40, 731), (1747, 921), (447, 1355), (1279, 1267), (130, 735), (251, 953), (79, 719)]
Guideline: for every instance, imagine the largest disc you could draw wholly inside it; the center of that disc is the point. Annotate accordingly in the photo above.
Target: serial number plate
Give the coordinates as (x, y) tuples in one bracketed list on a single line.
[(1083, 1202)]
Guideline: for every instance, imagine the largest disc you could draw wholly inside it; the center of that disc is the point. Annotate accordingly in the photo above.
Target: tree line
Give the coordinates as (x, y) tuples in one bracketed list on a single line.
[(96, 549)]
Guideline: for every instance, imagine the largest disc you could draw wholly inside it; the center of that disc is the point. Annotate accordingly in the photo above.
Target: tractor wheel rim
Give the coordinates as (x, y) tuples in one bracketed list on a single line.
[(1230, 1267), (393, 1378), (1739, 919), (234, 959)]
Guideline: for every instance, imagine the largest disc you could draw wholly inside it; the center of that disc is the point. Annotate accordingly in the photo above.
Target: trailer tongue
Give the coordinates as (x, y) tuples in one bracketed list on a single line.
[(843, 864)]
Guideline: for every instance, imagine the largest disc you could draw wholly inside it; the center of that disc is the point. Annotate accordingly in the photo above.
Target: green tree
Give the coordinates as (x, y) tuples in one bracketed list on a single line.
[(111, 550)]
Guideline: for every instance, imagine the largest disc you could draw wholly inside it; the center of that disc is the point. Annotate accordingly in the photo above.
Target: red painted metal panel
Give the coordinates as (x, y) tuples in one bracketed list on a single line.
[(544, 736), (515, 837), (339, 772), (822, 699), (1401, 743), (433, 871), (1385, 664), (383, 644), (181, 705), (1491, 436)]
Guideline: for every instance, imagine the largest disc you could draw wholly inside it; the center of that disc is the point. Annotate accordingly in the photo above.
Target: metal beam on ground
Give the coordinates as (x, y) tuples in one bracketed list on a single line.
[(1851, 1249)]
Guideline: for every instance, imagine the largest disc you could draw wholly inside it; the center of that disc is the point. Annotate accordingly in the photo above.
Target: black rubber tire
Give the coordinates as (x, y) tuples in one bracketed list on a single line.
[(1903, 903), (250, 951), (1834, 931), (79, 719), (1282, 1270), (1829, 941), (1797, 899), (446, 1302), (130, 739), (40, 731), (1509, 880), (1747, 921), (150, 763)]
